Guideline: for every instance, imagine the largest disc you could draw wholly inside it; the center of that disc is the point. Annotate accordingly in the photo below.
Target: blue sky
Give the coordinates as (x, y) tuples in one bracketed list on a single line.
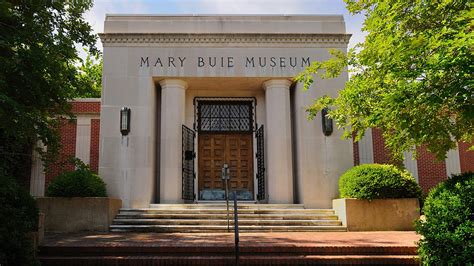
[(96, 15)]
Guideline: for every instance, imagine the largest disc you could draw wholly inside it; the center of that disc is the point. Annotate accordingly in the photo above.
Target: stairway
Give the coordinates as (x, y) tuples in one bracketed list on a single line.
[(212, 217)]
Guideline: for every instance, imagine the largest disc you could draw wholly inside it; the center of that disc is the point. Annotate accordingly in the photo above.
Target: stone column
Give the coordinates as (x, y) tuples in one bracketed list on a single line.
[(173, 95), (278, 141)]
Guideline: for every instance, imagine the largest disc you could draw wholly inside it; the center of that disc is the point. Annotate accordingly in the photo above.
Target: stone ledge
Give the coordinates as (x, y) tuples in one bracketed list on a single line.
[(78, 214), (377, 214)]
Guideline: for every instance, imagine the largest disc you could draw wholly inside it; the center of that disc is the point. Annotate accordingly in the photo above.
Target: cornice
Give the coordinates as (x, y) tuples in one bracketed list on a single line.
[(225, 40)]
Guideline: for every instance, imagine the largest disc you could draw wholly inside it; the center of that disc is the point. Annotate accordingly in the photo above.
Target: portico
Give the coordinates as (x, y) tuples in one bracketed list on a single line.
[(209, 90)]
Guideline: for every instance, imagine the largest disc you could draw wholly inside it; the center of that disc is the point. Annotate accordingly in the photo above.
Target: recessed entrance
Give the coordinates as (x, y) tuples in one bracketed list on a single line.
[(225, 136)]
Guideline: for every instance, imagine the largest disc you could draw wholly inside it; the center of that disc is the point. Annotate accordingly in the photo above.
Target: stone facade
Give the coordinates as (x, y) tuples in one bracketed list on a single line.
[(159, 66), (429, 172)]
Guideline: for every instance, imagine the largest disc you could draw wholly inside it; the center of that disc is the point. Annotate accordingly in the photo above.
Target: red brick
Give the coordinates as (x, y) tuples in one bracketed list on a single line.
[(355, 148), (94, 152), (430, 171), (85, 107), (466, 157), (67, 131), (382, 154)]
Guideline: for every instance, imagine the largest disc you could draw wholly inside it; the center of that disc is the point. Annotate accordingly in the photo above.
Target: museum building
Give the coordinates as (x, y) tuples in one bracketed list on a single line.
[(185, 96)]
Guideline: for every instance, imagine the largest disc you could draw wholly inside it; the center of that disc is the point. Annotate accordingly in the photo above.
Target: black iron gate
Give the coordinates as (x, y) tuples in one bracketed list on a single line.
[(259, 135), (188, 164)]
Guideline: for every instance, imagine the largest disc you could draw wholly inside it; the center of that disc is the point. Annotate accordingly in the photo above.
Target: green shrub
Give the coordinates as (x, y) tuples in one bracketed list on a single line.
[(448, 229), (378, 181), (18, 217), (79, 183)]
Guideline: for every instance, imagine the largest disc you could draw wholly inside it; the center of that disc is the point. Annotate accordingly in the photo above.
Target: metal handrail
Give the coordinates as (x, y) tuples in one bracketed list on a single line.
[(236, 229)]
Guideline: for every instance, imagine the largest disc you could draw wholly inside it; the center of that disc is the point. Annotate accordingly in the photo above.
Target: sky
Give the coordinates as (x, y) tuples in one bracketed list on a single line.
[(96, 15)]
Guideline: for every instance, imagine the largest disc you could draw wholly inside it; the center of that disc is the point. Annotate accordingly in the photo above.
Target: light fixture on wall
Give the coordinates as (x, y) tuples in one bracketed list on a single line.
[(326, 122), (125, 114)]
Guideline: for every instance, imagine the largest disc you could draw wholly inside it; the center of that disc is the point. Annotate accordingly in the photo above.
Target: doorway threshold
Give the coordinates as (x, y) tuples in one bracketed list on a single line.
[(224, 202)]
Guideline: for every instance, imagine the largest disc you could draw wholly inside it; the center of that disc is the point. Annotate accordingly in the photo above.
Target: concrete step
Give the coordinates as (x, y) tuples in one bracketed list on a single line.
[(222, 228), (224, 216), (242, 222), (230, 260), (212, 217), (224, 211), (223, 205)]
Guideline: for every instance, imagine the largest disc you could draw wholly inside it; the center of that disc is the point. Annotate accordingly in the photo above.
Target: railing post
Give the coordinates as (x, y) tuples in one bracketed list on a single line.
[(225, 177), (236, 229)]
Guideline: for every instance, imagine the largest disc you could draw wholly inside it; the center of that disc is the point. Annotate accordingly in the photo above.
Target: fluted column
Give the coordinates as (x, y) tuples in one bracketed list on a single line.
[(278, 141), (173, 95)]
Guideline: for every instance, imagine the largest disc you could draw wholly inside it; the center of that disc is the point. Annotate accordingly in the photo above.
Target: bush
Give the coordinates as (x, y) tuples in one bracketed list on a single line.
[(79, 183), (18, 217), (378, 181), (447, 231)]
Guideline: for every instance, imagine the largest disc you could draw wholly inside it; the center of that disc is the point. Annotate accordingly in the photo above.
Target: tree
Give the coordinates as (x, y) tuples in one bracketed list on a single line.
[(412, 76), (90, 77), (38, 74)]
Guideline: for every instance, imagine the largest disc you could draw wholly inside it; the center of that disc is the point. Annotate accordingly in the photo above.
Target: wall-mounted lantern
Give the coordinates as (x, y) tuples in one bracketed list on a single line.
[(125, 114), (326, 122)]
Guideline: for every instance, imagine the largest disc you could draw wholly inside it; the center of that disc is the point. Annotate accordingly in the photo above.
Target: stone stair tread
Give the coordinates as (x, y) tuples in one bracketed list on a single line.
[(217, 226), (240, 205), (182, 221), (224, 216), (203, 228), (213, 217), (151, 210)]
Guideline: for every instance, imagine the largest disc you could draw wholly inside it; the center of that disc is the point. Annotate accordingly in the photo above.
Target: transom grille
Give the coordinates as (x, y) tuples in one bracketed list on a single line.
[(225, 116)]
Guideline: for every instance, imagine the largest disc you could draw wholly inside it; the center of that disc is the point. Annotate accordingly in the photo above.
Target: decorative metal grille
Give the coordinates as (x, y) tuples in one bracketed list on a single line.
[(188, 164), (221, 115), (259, 135)]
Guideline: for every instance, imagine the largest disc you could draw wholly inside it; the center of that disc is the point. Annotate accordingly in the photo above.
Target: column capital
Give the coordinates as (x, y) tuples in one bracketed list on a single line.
[(277, 83), (173, 83)]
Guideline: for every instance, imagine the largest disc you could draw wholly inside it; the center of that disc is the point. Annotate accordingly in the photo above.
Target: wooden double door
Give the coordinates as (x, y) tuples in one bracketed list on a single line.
[(235, 149)]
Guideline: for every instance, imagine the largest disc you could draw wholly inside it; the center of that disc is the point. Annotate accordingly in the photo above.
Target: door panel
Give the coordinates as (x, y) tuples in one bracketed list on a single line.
[(234, 149), (211, 158)]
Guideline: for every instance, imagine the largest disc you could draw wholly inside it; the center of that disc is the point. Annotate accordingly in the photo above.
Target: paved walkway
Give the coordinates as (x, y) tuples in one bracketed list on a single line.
[(290, 239)]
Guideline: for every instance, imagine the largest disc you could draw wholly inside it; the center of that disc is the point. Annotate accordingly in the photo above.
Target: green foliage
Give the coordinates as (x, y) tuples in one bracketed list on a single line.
[(412, 77), (79, 183), (18, 217), (38, 74), (90, 77), (448, 231), (378, 181)]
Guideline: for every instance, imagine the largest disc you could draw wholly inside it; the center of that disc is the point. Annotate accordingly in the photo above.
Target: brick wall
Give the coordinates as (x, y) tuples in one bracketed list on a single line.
[(85, 107), (430, 171), (382, 154), (95, 132), (466, 157), (355, 148), (67, 132)]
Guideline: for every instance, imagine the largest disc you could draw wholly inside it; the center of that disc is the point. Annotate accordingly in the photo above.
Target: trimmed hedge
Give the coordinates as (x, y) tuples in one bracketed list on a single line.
[(79, 183), (18, 217), (448, 229), (378, 181)]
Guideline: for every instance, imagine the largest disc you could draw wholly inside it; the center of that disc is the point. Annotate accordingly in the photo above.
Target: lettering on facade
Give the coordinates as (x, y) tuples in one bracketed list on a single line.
[(226, 62)]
